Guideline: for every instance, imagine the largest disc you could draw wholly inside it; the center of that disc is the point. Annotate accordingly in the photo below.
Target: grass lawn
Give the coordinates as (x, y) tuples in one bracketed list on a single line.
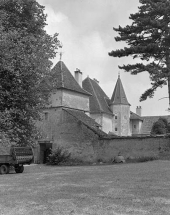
[(135, 189)]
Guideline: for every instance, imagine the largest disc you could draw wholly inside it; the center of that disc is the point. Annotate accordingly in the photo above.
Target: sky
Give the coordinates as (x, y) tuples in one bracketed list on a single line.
[(85, 29)]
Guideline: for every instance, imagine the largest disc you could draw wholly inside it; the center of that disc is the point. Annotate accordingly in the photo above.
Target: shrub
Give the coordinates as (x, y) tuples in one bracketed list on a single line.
[(58, 156), (141, 159), (160, 127)]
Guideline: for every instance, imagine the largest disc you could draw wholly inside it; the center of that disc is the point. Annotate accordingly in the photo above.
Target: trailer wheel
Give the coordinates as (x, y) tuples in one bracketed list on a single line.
[(4, 169), (19, 169)]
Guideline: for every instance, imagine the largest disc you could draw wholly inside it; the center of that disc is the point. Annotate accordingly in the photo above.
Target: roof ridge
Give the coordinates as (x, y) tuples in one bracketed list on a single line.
[(99, 102), (92, 126), (157, 116), (135, 113), (95, 95), (62, 75), (107, 103)]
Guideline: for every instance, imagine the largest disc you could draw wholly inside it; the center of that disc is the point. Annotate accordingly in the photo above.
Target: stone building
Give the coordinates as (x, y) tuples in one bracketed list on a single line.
[(80, 113), (66, 120)]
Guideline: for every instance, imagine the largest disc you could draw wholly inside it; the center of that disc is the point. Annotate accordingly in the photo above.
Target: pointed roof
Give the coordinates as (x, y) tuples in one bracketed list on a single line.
[(61, 77), (99, 101), (119, 96)]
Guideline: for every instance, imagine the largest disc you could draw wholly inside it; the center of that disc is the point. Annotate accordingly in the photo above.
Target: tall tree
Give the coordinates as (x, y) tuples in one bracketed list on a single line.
[(26, 50), (148, 38)]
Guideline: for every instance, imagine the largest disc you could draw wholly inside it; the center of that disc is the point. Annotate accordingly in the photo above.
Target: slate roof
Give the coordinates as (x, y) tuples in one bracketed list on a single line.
[(99, 101), (119, 96), (86, 120), (148, 122), (61, 77), (134, 116)]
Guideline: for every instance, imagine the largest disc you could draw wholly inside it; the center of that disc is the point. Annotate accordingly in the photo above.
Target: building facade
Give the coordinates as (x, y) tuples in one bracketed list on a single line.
[(80, 113)]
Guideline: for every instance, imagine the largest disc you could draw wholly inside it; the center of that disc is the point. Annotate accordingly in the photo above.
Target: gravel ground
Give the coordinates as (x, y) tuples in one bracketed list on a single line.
[(133, 189)]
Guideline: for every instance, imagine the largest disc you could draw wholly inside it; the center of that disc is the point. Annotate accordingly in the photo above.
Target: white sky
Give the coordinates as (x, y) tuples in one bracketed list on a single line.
[(85, 29)]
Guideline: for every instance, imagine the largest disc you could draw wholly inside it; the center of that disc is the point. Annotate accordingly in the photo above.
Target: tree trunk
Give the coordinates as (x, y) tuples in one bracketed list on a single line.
[(169, 88), (168, 76)]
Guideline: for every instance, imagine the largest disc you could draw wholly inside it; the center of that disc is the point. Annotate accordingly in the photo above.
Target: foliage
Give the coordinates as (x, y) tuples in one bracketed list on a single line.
[(148, 39), (160, 127), (26, 50), (142, 159), (58, 156)]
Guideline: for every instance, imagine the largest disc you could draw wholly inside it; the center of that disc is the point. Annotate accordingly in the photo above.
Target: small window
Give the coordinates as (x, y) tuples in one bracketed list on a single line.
[(115, 117), (46, 115), (134, 126), (115, 129)]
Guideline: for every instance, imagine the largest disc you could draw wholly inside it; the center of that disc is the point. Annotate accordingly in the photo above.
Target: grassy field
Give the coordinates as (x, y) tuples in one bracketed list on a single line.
[(135, 189)]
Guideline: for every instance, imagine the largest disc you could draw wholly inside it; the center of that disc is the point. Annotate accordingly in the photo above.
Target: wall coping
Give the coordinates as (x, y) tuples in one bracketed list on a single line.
[(135, 137)]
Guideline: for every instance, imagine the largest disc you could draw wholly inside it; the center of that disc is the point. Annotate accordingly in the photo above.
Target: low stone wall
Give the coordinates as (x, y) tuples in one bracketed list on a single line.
[(75, 137), (92, 149), (132, 147), (64, 130)]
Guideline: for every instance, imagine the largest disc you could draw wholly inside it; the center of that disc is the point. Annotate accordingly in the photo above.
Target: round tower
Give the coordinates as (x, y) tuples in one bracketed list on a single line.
[(121, 110)]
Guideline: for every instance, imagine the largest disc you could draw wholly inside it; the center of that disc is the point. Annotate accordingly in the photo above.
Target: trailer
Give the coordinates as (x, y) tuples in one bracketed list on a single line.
[(18, 157)]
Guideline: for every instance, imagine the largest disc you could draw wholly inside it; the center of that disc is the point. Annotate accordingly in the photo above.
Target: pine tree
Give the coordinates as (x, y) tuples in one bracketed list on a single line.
[(148, 39), (26, 50)]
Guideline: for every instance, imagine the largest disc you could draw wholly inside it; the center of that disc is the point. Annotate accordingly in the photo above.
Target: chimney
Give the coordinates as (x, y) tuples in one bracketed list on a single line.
[(96, 80), (139, 110), (78, 76)]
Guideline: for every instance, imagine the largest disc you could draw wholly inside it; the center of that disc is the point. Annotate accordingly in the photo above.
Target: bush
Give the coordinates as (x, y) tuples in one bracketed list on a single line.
[(142, 159), (160, 127), (58, 156)]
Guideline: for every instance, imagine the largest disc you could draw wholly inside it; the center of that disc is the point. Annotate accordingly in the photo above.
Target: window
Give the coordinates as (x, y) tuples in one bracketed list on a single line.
[(46, 115), (115, 129), (115, 117), (134, 126)]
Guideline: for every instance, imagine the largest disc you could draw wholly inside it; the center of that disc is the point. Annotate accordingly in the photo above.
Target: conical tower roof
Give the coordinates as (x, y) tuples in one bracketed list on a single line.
[(119, 96)]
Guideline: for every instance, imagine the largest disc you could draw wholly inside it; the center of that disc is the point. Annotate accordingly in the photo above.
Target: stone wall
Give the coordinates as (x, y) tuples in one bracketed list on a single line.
[(64, 130), (121, 124), (105, 120), (76, 138), (107, 123), (133, 147), (75, 100)]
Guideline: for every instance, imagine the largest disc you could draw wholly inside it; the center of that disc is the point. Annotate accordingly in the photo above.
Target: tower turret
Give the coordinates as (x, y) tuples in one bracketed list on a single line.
[(121, 110)]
